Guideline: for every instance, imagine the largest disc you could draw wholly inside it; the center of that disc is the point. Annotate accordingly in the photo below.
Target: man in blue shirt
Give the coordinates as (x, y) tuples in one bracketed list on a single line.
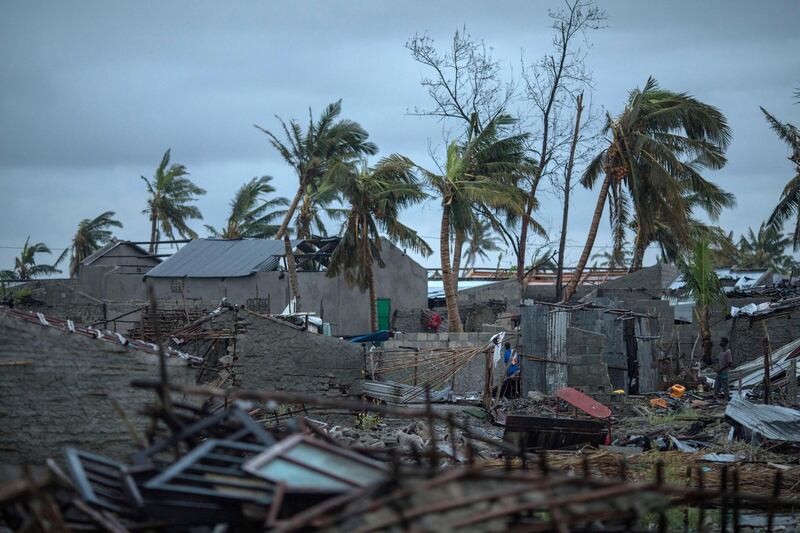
[(511, 384)]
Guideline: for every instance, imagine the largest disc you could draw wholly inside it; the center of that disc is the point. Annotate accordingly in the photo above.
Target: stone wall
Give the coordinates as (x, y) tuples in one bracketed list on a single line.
[(275, 356), (56, 391)]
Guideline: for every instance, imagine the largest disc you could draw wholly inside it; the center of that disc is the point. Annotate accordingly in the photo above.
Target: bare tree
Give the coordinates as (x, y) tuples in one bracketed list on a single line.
[(567, 189), (467, 86), (465, 81), (551, 86)]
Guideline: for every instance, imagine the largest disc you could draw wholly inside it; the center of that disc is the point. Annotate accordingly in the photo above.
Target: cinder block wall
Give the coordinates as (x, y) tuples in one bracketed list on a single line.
[(275, 356), (587, 370), (470, 378), (56, 390)]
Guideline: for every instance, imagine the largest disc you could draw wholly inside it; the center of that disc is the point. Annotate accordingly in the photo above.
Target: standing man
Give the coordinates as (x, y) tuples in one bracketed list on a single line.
[(511, 384), (724, 362)]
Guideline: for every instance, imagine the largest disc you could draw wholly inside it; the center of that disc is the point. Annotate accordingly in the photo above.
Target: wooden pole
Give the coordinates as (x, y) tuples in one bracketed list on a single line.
[(487, 380), (792, 377)]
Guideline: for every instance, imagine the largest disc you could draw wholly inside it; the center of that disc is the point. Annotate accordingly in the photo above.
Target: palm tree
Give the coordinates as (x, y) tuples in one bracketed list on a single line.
[(376, 195), (613, 259), (702, 284), (765, 249), (483, 171), (480, 240), (317, 152), (25, 266), (91, 235), (317, 201), (252, 216), (657, 146), (789, 204), (168, 206)]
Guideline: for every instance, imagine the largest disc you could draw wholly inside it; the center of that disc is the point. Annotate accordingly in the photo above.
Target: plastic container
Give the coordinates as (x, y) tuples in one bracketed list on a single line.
[(676, 391)]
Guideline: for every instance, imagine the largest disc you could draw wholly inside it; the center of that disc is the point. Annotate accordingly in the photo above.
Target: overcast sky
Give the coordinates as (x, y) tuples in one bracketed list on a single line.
[(92, 93)]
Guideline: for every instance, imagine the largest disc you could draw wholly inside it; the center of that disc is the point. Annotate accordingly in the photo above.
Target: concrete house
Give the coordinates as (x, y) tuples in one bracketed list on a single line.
[(252, 272), (114, 272)]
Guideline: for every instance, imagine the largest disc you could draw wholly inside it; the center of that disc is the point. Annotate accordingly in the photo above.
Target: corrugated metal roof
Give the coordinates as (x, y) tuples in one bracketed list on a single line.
[(111, 245), (218, 258), (772, 422)]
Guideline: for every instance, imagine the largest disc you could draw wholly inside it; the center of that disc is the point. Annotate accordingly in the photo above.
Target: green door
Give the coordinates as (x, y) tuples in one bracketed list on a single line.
[(384, 313)]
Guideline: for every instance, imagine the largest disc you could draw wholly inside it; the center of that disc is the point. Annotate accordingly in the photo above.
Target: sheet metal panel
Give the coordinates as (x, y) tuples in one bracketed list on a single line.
[(771, 422), (218, 258), (533, 325), (557, 322), (646, 343), (614, 353)]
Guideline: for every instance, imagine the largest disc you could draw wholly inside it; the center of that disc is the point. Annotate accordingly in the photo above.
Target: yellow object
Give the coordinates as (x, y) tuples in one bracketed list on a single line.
[(676, 391), (658, 402), (619, 391)]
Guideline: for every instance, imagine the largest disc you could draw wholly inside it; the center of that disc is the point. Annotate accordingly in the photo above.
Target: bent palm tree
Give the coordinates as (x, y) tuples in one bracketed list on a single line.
[(25, 266), (169, 206), (484, 172), (376, 195), (789, 204), (657, 147), (91, 235), (251, 215), (314, 153), (702, 284)]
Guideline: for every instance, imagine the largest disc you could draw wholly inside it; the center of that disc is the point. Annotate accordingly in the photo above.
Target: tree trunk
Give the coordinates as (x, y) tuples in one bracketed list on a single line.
[(703, 320), (638, 251), (290, 213), (567, 181), (587, 249), (153, 232), (304, 219), (294, 287), (523, 241), (373, 301), (458, 248), (450, 295)]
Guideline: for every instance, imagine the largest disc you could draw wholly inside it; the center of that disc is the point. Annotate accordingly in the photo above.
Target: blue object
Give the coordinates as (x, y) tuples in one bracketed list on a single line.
[(513, 368), (379, 336)]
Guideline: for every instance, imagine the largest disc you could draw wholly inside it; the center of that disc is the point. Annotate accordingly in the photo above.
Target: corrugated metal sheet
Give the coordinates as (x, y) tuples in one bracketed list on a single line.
[(614, 352), (770, 422), (752, 372), (218, 258), (646, 340), (557, 322), (534, 342)]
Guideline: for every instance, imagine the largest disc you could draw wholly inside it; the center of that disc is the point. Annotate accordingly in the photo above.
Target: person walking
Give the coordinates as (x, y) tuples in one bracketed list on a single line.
[(724, 362)]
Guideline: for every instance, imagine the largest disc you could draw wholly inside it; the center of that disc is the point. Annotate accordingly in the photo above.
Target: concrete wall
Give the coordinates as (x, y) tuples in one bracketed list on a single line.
[(56, 390), (471, 378), (403, 281), (106, 283), (126, 259), (275, 356)]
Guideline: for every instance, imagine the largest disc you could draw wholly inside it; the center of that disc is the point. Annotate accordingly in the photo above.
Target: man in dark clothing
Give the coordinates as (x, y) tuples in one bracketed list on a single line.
[(724, 362)]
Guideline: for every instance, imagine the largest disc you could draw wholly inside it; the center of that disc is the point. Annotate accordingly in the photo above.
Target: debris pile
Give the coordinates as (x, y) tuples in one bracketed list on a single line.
[(221, 465)]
